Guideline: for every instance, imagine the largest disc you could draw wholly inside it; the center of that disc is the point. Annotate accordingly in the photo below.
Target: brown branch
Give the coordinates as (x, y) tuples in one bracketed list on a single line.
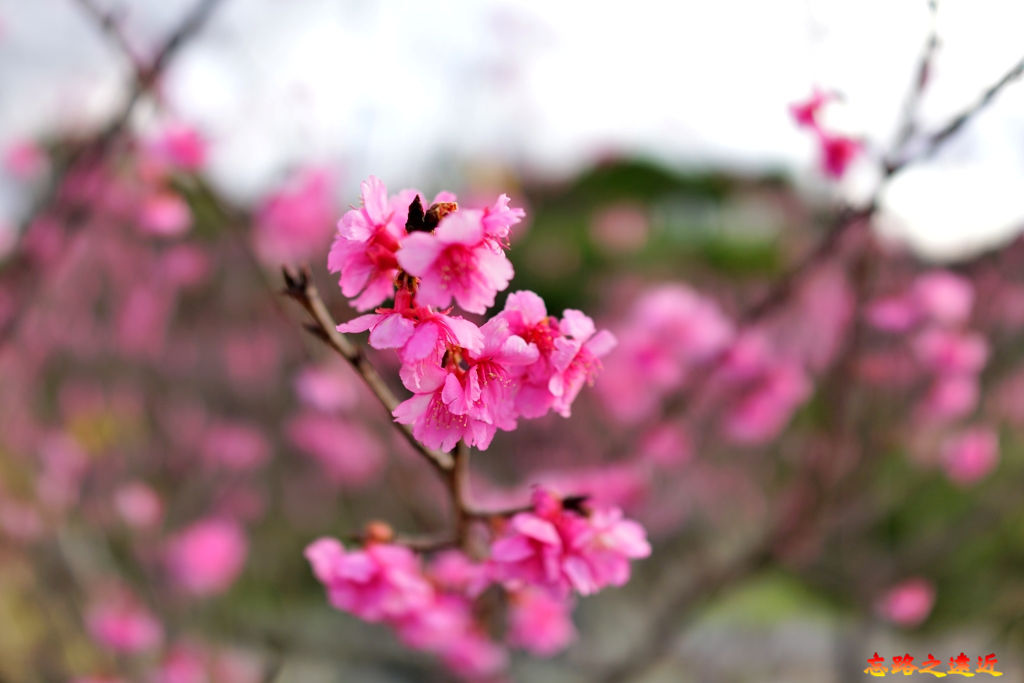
[(676, 611), (908, 127), (934, 141), (299, 286), (110, 22), (783, 288), (458, 482), (453, 468)]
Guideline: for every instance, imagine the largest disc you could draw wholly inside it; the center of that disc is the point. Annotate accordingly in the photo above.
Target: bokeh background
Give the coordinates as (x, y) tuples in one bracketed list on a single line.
[(151, 377)]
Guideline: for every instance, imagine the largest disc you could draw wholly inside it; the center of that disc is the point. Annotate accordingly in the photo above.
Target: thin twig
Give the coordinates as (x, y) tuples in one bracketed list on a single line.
[(299, 286), (459, 485), (908, 126), (934, 141), (678, 610), (109, 21)]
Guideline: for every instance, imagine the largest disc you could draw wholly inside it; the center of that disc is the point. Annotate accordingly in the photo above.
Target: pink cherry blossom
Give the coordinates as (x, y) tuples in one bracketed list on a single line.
[(495, 369), (499, 218), (970, 455), (456, 261), (420, 334), (435, 421), (559, 549), (364, 248), (205, 558), (569, 353), (539, 622), (576, 358), (379, 582), (908, 603)]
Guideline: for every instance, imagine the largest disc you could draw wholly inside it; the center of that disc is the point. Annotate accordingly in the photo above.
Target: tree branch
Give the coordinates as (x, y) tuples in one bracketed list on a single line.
[(299, 286)]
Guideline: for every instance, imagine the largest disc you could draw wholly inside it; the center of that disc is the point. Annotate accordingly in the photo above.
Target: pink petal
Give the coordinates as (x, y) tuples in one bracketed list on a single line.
[(418, 252), (461, 227)]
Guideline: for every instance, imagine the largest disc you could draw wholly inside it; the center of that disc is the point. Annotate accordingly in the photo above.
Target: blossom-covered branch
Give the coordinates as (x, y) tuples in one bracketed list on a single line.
[(467, 382)]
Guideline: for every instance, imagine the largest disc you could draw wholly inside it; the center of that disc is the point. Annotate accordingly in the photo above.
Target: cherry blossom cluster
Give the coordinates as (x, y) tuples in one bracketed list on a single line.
[(836, 151), (540, 560), (467, 381), (946, 357)]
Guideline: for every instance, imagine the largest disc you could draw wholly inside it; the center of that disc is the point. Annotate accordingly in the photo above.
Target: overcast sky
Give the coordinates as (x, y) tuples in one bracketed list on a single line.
[(417, 92)]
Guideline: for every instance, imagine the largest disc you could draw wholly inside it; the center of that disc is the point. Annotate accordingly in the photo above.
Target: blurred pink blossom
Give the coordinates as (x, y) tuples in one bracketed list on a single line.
[(950, 397), (951, 352), (294, 224), (138, 505), (184, 663), (235, 445), (25, 160), (120, 623), (381, 581), (205, 558), (165, 214), (539, 622), (970, 455), (179, 146), (893, 314), (327, 389), (943, 296), (908, 603), (346, 452)]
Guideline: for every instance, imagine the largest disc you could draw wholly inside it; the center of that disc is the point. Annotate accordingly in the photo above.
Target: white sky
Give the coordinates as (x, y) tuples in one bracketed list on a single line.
[(419, 92)]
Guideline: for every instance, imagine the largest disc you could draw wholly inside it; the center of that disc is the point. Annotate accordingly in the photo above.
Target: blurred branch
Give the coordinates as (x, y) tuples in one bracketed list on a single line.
[(109, 21), (817, 486), (933, 142), (21, 268), (676, 611), (908, 126)]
